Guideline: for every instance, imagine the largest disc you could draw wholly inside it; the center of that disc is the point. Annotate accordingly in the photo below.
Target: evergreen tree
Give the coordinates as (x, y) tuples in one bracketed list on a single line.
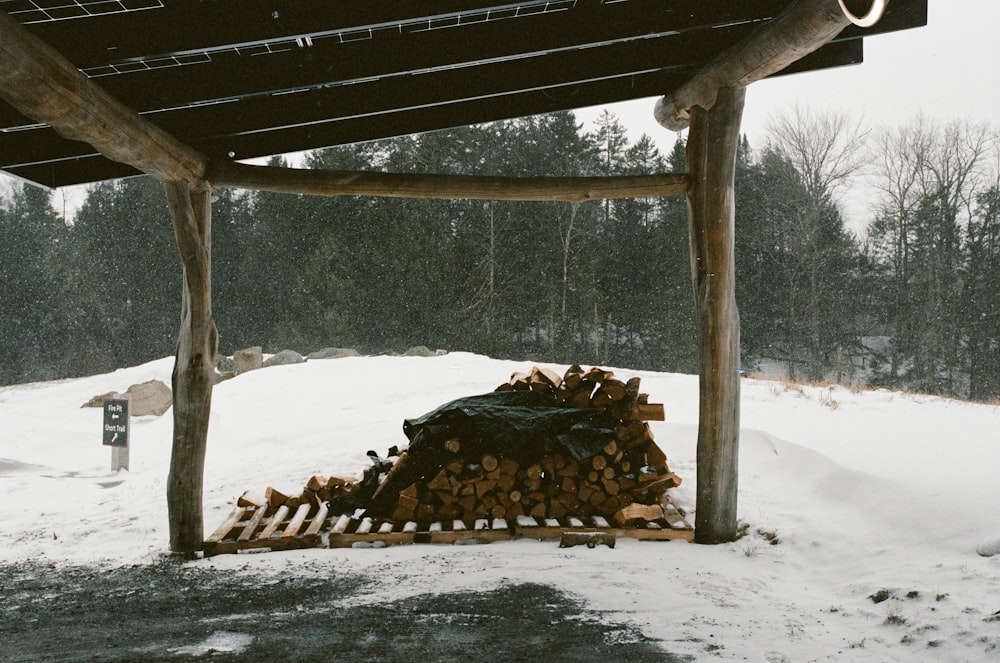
[(30, 329), (981, 300), (124, 230)]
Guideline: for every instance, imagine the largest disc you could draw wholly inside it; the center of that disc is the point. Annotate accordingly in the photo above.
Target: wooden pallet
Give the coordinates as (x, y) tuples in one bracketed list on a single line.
[(251, 528)]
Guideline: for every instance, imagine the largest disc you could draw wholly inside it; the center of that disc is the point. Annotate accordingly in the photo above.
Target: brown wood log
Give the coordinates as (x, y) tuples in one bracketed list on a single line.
[(567, 499), (589, 539), (579, 399), (405, 508), (397, 467), (484, 486), (311, 498), (448, 187), (426, 513), (539, 510), (800, 29), (533, 471), (655, 457), (454, 445), (647, 412), (547, 464), (412, 491), (274, 497), (506, 482), (316, 482), (571, 469), (610, 392), (446, 497), (647, 477), (248, 500), (632, 433), (193, 375), (713, 142), (339, 485), (598, 462), (627, 483), (440, 482), (572, 377), (663, 483), (490, 463), (631, 391)]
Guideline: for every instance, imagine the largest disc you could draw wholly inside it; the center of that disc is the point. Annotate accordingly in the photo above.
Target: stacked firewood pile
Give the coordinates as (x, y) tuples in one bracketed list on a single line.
[(579, 445)]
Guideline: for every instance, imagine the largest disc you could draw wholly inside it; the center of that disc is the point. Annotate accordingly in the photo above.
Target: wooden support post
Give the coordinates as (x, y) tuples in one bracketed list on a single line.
[(711, 161), (194, 368)]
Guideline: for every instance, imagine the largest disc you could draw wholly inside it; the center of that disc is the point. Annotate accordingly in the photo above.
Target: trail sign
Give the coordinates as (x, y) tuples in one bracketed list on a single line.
[(116, 423)]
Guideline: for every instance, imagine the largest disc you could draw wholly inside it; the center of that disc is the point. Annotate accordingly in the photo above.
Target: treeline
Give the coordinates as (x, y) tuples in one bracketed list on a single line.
[(914, 303)]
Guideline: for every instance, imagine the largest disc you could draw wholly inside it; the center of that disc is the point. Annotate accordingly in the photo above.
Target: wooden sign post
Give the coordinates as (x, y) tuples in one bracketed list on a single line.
[(116, 430)]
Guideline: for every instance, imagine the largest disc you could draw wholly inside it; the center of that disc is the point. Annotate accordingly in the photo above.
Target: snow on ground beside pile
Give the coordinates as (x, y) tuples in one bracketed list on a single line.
[(864, 491)]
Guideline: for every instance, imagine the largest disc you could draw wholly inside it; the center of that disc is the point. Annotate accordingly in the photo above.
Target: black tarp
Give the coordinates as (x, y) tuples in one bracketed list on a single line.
[(515, 424)]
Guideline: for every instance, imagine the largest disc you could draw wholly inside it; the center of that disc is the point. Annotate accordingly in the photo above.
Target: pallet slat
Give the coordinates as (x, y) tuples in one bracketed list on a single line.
[(297, 521), (227, 525), (252, 524), (276, 520)]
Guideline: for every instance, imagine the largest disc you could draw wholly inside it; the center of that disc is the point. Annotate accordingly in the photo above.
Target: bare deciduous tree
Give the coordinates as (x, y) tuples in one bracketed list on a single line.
[(827, 150)]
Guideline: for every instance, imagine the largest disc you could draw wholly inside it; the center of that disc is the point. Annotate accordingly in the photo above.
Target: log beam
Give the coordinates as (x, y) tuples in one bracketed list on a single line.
[(711, 160), (399, 185), (39, 82), (194, 367), (798, 31)]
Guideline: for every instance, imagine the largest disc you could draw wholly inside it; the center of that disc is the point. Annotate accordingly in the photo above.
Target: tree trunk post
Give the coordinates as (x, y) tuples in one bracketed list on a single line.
[(711, 162), (194, 367)]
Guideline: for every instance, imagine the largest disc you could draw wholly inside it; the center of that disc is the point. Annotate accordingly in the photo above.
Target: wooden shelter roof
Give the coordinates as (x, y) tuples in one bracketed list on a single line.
[(238, 79)]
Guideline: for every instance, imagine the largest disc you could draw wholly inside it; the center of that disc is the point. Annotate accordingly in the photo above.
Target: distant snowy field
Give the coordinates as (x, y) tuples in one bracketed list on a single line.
[(865, 491)]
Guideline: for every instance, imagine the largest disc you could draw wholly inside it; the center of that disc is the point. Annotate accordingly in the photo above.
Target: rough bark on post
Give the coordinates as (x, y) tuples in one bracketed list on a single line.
[(711, 161), (191, 214)]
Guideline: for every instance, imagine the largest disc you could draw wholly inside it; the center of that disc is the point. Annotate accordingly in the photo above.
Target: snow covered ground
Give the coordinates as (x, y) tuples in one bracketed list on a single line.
[(860, 491)]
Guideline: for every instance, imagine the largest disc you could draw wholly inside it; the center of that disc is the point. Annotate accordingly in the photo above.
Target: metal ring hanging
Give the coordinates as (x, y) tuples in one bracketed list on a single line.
[(869, 19)]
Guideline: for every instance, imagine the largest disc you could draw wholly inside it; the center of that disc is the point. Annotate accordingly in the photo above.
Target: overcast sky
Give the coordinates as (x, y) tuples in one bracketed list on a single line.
[(947, 70)]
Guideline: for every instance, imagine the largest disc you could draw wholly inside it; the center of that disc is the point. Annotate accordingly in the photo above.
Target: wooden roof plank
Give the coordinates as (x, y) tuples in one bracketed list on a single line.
[(41, 83)]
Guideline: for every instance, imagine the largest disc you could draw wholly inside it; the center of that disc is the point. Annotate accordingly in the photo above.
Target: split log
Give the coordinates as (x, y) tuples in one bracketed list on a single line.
[(589, 539)]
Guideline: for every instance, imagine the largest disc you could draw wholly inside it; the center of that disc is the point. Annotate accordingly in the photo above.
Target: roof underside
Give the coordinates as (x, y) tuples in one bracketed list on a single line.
[(240, 79)]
